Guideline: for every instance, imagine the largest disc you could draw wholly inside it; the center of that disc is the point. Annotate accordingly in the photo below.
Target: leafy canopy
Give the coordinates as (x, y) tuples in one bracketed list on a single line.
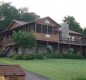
[(8, 13), (84, 31), (73, 24), (24, 39)]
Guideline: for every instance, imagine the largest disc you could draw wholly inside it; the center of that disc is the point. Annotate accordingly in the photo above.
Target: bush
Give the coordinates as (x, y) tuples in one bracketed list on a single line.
[(2, 54), (17, 56), (39, 56), (54, 55), (46, 55), (28, 57), (72, 56)]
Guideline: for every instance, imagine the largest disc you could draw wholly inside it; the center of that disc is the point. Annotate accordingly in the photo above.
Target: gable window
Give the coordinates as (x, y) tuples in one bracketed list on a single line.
[(47, 22)]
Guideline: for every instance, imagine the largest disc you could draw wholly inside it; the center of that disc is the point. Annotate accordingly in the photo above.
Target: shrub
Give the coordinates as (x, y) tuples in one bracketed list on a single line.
[(17, 56), (54, 55), (38, 56), (72, 56), (28, 57), (2, 54)]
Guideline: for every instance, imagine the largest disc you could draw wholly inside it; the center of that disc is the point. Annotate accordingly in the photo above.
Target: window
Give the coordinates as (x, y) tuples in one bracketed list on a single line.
[(47, 22), (44, 29), (50, 30), (55, 30), (38, 28)]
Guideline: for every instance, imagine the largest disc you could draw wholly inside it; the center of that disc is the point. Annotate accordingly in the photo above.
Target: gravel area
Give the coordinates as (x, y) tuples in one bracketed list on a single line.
[(35, 76)]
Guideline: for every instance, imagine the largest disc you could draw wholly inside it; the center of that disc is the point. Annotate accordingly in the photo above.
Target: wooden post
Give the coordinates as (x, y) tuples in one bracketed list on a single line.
[(35, 27), (58, 42), (47, 29), (53, 30), (41, 28), (36, 48), (80, 49)]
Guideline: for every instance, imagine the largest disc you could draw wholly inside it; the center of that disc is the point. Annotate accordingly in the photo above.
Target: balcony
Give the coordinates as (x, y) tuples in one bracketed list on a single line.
[(70, 40)]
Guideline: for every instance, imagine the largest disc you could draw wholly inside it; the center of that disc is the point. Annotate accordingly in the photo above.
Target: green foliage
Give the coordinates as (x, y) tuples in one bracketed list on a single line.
[(73, 24), (38, 56), (50, 49), (24, 39), (54, 55), (8, 13), (28, 57), (72, 56), (84, 31), (2, 54), (17, 56)]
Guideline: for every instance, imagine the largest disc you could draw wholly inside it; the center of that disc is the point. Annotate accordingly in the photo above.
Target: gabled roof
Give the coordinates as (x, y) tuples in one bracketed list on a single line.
[(73, 32), (18, 23), (45, 18), (6, 70)]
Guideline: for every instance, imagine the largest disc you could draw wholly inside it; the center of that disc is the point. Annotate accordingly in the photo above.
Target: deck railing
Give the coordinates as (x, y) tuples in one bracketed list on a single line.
[(69, 40)]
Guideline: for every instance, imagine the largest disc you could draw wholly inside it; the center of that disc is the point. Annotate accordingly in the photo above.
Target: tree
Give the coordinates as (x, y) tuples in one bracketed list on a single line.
[(73, 24), (27, 16), (84, 31), (8, 13), (24, 40)]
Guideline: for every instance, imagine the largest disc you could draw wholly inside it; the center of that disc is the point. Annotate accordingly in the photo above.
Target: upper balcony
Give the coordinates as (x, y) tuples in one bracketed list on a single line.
[(72, 40)]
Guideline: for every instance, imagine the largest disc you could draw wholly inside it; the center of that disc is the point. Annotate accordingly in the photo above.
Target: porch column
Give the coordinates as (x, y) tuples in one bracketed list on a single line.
[(41, 28), (69, 46), (58, 41), (58, 47), (80, 49), (36, 46), (35, 27)]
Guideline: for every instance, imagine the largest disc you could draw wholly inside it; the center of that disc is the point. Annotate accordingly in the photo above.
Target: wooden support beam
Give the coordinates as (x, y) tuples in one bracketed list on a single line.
[(80, 49), (58, 48), (35, 27)]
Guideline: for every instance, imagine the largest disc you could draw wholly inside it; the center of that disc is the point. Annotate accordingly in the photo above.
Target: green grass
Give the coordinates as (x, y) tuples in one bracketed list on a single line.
[(57, 69)]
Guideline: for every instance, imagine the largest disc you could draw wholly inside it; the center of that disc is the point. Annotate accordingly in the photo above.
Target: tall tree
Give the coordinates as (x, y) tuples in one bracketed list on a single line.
[(84, 31), (8, 13), (73, 24)]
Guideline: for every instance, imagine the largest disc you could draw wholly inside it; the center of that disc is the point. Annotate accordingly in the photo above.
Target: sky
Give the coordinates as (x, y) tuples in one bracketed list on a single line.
[(56, 9)]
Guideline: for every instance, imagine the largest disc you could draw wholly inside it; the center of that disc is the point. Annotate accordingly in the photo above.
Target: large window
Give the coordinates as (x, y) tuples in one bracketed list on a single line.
[(55, 30), (44, 29), (50, 30), (38, 28)]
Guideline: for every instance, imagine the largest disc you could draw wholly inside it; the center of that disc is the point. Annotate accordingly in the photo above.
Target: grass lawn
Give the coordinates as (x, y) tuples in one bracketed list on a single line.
[(57, 69)]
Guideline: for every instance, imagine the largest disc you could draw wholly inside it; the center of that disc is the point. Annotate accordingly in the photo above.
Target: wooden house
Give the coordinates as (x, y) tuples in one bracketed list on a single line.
[(47, 32), (11, 72)]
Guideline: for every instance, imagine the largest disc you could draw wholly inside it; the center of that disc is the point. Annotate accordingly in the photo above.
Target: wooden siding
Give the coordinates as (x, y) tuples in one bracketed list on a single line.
[(14, 25), (42, 37), (42, 21)]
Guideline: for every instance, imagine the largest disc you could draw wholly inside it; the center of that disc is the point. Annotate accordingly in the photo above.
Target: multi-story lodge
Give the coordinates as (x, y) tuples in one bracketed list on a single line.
[(47, 32)]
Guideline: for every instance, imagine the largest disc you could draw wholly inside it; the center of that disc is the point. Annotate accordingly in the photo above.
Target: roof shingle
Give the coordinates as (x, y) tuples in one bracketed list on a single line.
[(6, 70)]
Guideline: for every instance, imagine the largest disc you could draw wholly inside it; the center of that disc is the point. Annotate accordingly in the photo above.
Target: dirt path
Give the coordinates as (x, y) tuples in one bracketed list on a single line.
[(34, 76)]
